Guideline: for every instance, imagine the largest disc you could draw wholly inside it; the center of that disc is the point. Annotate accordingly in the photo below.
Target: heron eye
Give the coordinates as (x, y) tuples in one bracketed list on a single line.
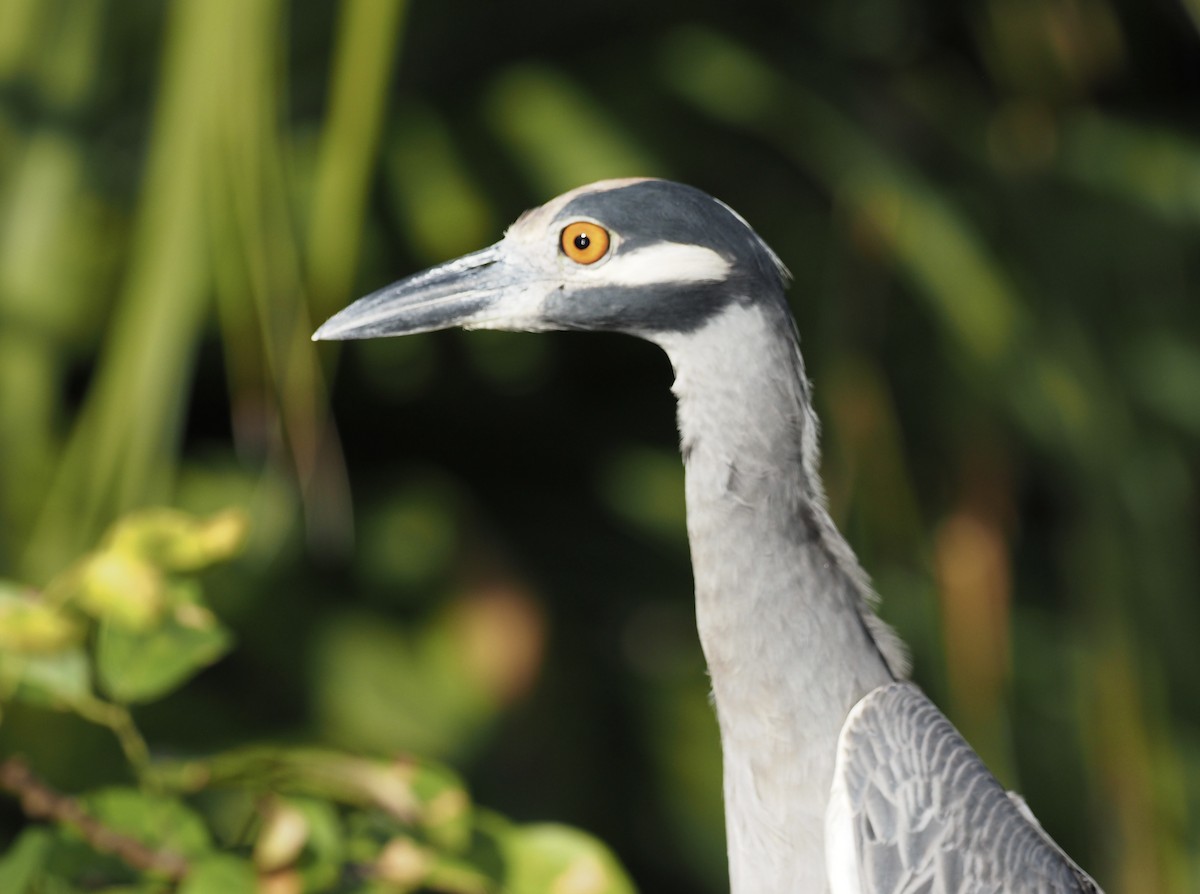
[(584, 242)]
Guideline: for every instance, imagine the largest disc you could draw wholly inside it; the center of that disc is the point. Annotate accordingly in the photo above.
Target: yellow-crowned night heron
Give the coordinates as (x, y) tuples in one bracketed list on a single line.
[(839, 776)]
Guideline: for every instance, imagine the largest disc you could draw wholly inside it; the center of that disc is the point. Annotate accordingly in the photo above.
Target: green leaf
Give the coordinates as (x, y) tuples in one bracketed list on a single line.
[(461, 875), (25, 860), (445, 806), (160, 822), (178, 541), (29, 624), (222, 874), (301, 836), (282, 837), (552, 858), (139, 666), (58, 680), (117, 586), (321, 863)]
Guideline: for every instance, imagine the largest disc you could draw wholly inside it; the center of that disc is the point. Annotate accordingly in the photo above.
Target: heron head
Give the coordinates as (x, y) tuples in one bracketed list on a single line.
[(641, 256)]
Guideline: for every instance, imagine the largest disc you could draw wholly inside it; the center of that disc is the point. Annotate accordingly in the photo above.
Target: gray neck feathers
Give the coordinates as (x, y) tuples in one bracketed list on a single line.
[(782, 606)]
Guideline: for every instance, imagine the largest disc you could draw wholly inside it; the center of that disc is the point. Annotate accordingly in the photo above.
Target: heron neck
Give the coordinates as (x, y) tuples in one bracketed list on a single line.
[(780, 599)]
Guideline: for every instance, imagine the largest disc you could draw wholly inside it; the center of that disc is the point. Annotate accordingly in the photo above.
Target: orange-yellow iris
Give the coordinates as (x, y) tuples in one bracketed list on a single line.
[(584, 242)]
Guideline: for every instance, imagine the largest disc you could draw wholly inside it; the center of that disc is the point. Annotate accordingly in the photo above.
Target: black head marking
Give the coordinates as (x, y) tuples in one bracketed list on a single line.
[(648, 212)]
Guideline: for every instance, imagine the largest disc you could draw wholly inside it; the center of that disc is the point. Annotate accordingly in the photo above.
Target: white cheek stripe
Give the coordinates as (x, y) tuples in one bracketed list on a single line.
[(664, 262)]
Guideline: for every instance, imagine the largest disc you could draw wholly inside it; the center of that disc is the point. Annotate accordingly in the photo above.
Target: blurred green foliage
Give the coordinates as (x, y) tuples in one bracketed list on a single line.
[(992, 212), (127, 625)]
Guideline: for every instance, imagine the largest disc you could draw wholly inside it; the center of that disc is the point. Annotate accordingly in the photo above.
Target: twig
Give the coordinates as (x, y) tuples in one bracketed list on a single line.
[(120, 722), (346, 779), (39, 801)]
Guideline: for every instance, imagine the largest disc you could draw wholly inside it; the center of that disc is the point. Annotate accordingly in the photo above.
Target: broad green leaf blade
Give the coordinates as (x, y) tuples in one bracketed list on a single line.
[(25, 860), (160, 822), (140, 666), (552, 858), (221, 874)]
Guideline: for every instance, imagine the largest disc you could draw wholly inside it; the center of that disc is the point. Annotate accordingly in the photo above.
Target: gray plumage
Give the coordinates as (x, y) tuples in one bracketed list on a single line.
[(920, 811), (782, 607)]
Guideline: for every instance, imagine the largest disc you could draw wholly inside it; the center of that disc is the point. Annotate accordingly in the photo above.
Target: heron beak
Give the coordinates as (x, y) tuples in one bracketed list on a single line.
[(451, 294)]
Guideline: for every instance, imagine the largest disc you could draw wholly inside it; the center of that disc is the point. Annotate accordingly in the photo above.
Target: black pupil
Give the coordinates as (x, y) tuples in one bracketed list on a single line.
[(582, 241)]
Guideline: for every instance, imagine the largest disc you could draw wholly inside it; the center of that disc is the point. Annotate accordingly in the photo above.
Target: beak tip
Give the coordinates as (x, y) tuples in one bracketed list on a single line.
[(439, 298), (326, 332)]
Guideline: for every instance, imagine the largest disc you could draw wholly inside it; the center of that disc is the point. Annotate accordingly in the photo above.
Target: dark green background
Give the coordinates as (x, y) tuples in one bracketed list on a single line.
[(471, 546)]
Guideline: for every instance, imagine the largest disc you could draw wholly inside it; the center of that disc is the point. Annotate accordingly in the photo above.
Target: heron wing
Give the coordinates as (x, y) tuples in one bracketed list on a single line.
[(914, 809)]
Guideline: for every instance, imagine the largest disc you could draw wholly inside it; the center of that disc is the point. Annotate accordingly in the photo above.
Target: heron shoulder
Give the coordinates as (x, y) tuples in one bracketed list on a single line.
[(913, 806)]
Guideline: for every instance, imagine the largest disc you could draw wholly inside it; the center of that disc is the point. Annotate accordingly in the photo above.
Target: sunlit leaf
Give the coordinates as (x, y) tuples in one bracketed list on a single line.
[(177, 541), (283, 835), (222, 874), (121, 588), (28, 624), (446, 812), (561, 860), (403, 862), (140, 666), (57, 680)]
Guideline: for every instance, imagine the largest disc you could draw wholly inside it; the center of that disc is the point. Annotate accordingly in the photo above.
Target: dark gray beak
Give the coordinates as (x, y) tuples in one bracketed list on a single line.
[(451, 294)]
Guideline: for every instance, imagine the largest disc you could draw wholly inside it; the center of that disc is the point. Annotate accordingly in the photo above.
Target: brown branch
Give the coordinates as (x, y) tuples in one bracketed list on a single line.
[(39, 801)]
